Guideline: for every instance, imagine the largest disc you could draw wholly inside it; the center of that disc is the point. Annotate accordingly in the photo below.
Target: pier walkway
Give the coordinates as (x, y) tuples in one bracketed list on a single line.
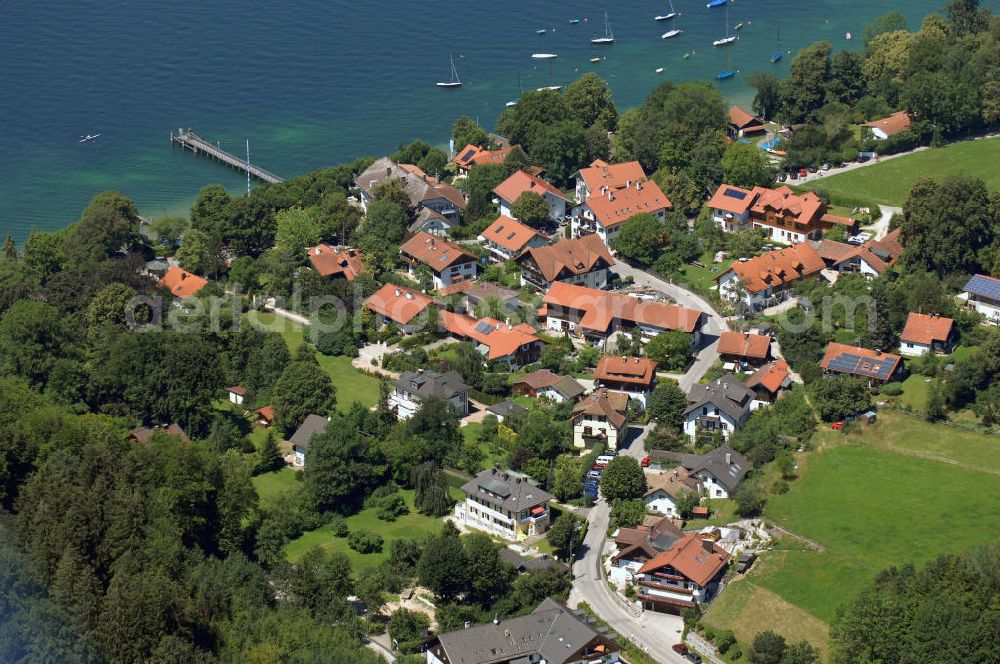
[(192, 141)]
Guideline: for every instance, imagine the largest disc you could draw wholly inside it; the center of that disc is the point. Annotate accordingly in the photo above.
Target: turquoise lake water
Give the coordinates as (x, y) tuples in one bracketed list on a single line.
[(316, 83)]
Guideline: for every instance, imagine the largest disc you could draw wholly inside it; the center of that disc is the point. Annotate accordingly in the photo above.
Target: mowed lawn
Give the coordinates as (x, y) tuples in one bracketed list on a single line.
[(413, 525), (271, 485), (351, 384), (870, 509), (889, 182)]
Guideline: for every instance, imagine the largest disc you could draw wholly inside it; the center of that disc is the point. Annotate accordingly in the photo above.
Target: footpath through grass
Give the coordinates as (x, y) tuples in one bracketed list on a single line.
[(889, 182), (351, 384)]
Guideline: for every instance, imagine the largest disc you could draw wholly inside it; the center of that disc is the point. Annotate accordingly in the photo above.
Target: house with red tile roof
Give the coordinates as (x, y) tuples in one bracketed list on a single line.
[(513, 345), (606, 209), (743, 124), (507, 238), (744, 348), (785, 216), (883, 128), (870, 259), (927, 334), (767, 279), (265, 417), (683, 576), (601, 418), (583, 261), (634, 376), (595, 314), (875, 366), (336, 263), (398, 305), (182, 283), (768, 383), (473, 155), (602, 175), (511, 189), (448, 263)]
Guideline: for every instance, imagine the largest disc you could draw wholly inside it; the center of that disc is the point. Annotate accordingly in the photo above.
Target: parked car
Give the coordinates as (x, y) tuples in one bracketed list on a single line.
[(694, 657), (838, 426), (812, 168), (645, 462), (826, 166), (679, 648), (803, 172), (782, 176), (793, 175)]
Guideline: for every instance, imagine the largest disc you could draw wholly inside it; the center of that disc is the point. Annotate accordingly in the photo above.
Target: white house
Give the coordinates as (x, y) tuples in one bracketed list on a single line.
[(300, 440), (721, 406), (982, 293), (448, 263), (520, 182), (719, 472), (665, 488), (927, 334), (236, 394), (883, 128), (602, 417), (422, 189), (504, 504), (412, 388)]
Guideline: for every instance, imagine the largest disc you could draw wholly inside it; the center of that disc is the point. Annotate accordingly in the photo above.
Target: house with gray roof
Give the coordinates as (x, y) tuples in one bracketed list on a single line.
[(422, 189), (312, 425), (720, 471), (721, 406), (505, 504), (552, 633), (506, 410), (412, 388)]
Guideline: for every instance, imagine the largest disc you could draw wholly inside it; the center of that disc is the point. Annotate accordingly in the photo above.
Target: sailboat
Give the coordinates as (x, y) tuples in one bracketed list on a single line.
[(728, 72), (728, 39), (520, 90), (455, 81), (674, 30), (669, 15), (715, 3), (544, 56), (609, 37), (777, 54), (89, 138)]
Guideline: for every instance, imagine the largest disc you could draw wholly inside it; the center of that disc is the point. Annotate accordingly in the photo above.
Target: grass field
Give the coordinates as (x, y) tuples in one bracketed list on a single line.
[(351, 384), (889, 182), (916, 390), (271, 485), (412, 525), (899, 491), (870, 509)]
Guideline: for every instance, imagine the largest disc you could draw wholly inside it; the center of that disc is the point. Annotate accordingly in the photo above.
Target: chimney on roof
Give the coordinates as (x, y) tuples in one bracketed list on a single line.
[(409, 296), (611, 195), (729, 459), (628, 183), (638, 186), (398, 293), (388, 171)]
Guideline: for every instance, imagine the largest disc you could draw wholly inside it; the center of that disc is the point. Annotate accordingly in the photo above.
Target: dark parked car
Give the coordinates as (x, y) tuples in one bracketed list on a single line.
[(694, 657), (782, 177), (793, 175), (813, 169)]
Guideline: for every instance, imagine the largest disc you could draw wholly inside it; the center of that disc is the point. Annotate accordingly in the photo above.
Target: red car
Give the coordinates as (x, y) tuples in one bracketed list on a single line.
[(837, 426), (680, 648), (645, 462)]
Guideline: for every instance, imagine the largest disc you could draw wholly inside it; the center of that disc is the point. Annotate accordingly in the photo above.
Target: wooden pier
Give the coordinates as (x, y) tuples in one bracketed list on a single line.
[(192, 141)]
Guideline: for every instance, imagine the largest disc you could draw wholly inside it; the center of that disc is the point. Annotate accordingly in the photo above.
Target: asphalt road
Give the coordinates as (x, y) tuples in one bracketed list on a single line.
[(652, 632)]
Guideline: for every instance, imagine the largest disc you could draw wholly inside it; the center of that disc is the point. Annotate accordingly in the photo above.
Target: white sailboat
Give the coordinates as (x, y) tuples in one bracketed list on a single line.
[(674, 30), (544, 56), (728, 39), (455, 81), (520, 93), (669, 15), (609, 37)]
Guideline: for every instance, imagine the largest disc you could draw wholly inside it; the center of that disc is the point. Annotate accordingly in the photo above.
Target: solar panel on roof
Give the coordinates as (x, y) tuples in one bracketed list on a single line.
[(735, 193), (985, 286), (484, 327), (468, 155)]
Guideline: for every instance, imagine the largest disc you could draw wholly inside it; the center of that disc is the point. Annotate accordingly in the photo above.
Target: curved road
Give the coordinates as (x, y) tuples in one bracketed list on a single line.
[(652, 632)]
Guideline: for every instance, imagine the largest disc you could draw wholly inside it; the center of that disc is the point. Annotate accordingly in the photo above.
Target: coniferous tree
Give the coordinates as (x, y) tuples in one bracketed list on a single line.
[(9, 248)]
